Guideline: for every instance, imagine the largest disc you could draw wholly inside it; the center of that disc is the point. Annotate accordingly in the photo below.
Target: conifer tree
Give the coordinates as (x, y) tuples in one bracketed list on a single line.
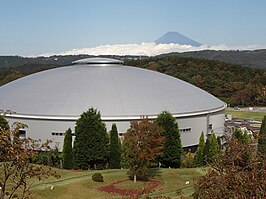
[(242, 137), (3, 123), (115, 149), (67, 153), (91, 145), (262, 138), (211, 149), (245, 137), (219, 142), (198, 159), (172, 150)]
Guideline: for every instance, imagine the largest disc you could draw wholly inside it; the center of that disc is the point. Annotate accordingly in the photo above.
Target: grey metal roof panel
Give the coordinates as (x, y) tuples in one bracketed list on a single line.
[(97, 60), (115, 90)]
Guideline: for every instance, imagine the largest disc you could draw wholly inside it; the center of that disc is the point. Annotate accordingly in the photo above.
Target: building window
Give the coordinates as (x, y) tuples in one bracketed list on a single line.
[(57, 134), (22, 133), (185, 130), (209, 127), (60, 134)]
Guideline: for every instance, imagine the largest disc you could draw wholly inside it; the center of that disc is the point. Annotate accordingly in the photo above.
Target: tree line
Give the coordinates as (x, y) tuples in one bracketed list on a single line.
[(145, 143)]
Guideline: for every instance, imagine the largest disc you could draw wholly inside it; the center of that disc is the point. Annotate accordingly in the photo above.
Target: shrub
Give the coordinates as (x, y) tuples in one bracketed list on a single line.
[(97, 177), (188, 160)]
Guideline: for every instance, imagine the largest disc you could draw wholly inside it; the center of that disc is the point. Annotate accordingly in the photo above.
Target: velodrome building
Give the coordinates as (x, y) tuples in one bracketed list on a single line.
[(51, 101)]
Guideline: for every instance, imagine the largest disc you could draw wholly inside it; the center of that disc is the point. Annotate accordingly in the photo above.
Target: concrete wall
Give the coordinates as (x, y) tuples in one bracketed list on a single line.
[(197, 125), (43, 129), (217, 120)]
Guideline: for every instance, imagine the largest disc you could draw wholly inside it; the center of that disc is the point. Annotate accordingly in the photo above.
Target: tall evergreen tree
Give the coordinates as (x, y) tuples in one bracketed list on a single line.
[(198, 159), (67, 152), (3, 123), (91, 145), (245, 137), (172, 150), (262, 137), (241, 136), (219, 142), (211, 149), (115, 149)]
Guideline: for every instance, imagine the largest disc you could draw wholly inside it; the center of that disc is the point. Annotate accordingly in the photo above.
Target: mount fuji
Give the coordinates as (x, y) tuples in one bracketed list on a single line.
[(176, 38)]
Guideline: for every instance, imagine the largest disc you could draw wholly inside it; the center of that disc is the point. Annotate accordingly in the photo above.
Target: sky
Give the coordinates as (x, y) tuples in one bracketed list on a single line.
[(46, 27)]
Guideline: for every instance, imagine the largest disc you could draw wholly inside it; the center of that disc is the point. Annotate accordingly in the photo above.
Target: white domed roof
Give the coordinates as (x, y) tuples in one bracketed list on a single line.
[(115, 90), (97, 60)]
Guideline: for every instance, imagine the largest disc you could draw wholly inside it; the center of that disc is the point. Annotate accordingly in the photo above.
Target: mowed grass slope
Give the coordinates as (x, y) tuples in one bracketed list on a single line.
[(246, 114), (75, 184)]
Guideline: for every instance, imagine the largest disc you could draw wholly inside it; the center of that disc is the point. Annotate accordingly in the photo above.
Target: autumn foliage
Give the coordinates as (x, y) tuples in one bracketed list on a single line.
[(16, 168), (238, 172), (143, 143)]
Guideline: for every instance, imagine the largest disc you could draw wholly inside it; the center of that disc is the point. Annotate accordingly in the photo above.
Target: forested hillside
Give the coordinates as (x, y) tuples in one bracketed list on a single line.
[(235, 84), (255, 59), (8, 62), (16, 61), (8, 75)]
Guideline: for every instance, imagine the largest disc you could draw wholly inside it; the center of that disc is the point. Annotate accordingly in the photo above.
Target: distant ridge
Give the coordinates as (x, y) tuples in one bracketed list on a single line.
[(176, 38), (249, 58)]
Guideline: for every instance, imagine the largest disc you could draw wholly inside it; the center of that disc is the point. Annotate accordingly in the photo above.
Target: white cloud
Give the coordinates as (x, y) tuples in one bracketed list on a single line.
[(149, 49)]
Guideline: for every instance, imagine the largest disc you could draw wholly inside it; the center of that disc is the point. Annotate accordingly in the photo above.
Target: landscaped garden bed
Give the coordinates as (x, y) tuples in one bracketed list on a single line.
[(127, 187)]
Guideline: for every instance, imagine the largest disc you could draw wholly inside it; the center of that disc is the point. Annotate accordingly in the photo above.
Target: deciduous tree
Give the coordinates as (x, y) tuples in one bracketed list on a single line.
[(233, 174), (16, 169), (144, 144)]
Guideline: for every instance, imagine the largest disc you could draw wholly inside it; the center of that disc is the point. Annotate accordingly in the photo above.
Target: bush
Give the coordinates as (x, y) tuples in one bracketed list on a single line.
[(49, 158), (97, 177), (188, 160)]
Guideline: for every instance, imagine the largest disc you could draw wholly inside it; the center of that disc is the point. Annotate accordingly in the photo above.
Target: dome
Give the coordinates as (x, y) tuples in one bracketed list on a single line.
[(116, 90), (97, 60)]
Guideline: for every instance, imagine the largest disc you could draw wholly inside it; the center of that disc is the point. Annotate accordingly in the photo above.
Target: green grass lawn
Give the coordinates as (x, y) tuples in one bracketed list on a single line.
[(246, 114), (74, 184)]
